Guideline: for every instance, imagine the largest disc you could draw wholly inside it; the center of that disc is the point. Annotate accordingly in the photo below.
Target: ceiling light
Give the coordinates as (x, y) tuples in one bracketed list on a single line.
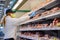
[(17, 4)]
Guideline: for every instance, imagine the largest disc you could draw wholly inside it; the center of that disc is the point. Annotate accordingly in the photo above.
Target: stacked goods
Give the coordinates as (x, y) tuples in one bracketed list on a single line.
[(54, 10), (40, 36), (55, 23)]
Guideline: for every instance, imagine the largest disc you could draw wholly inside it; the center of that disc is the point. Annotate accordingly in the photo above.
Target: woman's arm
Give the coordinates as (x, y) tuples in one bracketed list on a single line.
[(22, 19), (17, 21)]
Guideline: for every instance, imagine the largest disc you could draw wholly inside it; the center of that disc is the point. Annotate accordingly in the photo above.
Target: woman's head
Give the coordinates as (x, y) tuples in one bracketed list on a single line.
[(10, 13)]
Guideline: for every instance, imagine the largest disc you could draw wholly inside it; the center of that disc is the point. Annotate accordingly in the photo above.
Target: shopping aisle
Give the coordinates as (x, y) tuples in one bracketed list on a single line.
[(39, 19), (44, 23)]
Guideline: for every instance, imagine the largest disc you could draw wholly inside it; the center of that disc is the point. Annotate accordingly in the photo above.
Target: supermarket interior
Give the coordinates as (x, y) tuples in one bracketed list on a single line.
[(29, 19)]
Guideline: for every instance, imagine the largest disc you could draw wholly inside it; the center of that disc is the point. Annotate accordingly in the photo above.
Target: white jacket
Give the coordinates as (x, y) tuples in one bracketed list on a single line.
[(11, 26)]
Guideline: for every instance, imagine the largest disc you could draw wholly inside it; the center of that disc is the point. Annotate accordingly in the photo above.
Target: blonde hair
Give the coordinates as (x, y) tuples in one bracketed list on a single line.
[(3, 20)]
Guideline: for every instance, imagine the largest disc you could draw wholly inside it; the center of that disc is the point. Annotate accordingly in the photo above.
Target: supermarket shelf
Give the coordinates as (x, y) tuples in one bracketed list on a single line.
[(53, 15), (31, 37), (35, 29), (49, 6), (40, 7), (37, 10), (28, 37), (41, 18)]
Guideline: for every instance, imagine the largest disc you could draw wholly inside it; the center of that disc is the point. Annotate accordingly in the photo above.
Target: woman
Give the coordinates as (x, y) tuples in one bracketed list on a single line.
[(11, 24)]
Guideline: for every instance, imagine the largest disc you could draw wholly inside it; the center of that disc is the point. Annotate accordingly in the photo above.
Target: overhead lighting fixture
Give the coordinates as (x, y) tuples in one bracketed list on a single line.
[(17, 4)]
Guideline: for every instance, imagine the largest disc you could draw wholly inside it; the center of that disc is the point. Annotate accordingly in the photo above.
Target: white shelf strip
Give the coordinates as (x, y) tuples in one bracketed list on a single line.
[(53, 14), (34, 29), (28, 37)]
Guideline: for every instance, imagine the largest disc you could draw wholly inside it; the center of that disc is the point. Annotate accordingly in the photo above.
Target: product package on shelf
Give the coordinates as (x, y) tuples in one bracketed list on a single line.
[(37, 15), (33, 26), (39, 35)]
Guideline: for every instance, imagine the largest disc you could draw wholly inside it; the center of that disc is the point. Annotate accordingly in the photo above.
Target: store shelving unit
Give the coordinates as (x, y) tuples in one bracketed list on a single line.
[(48, 16), (2, 2), (35, 37), (40, 19)]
